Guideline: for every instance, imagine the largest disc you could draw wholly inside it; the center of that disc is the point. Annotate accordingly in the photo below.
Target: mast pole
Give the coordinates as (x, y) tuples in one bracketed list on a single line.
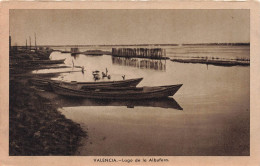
[(35, 42), (30, 42)]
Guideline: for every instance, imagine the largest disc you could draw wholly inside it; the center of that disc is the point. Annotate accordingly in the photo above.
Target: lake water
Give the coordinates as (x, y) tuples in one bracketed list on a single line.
[(209, 115)]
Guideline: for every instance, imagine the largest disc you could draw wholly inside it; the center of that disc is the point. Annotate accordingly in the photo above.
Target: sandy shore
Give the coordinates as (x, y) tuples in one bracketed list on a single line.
[(36, 127)]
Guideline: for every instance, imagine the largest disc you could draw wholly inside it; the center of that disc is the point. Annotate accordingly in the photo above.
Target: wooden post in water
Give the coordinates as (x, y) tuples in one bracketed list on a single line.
[(35, 42), (30, 42), (10, 43), (165, 59), (153, 53)]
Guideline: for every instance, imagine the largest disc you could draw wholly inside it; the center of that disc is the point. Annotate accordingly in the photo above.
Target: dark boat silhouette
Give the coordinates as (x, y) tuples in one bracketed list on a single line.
[(122, 83), (119, 94), (46, 61)]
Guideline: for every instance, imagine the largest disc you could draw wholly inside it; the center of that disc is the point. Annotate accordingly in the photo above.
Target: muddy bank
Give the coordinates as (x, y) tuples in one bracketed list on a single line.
[(213, 62), (36, 127)]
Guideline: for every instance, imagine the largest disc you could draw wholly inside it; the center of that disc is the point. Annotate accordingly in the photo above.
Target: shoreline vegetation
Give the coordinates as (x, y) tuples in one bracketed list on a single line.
[(36, 127)]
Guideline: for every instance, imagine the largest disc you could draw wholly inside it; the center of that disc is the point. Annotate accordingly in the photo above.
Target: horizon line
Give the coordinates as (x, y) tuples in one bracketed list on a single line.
[(173, 44)]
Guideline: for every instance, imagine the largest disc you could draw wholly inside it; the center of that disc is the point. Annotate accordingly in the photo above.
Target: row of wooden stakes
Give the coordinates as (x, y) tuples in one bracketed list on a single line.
[(154, 53)]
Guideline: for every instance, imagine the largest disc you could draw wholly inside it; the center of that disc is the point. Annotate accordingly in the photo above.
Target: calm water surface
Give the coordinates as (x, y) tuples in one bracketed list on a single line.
[(209, 115)]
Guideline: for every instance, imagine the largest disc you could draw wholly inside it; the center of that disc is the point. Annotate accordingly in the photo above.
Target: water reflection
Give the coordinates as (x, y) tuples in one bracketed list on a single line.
[(162, 103), (140, 63), (217, 99)]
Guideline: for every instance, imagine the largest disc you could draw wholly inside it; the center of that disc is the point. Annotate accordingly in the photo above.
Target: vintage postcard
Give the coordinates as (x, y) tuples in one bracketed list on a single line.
[(129, 83)]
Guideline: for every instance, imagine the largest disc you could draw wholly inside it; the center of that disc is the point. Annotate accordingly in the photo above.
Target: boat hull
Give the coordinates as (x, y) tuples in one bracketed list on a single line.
[(147, 93), (123, 83), (47, 61)]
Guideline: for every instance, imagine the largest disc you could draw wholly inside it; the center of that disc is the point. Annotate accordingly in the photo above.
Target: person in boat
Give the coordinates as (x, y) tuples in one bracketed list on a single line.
[(103, 75), (123, 77), (96, 77), (106, 71), (82, 69)]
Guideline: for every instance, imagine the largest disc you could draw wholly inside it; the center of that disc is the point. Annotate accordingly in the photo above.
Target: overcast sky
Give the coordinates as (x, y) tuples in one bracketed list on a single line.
[(93, 27)]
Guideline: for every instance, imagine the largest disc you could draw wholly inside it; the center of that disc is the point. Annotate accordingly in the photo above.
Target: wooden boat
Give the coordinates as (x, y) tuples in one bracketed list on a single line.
[(98, 93), (74, 51), (93, 52), (86, 85), (47, 61), (108, 88), (65, 51)]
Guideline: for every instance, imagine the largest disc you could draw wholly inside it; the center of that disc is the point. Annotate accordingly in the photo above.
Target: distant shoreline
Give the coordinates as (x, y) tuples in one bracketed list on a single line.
[(152, 45), (215, 62)]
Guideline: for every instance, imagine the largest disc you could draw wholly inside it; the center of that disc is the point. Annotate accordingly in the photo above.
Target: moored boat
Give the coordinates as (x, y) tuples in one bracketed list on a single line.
[(60, 61), (86, 85), (99, 93), (65, 51)]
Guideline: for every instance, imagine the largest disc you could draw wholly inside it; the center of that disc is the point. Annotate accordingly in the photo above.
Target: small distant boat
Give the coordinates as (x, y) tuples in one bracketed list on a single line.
[(99, 93), (65, 51), (86, 85), (74, 51), (93, 52), (47, 61)]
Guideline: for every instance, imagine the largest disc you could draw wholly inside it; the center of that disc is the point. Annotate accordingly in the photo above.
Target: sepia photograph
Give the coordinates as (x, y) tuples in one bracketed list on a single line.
[(129, 82)]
